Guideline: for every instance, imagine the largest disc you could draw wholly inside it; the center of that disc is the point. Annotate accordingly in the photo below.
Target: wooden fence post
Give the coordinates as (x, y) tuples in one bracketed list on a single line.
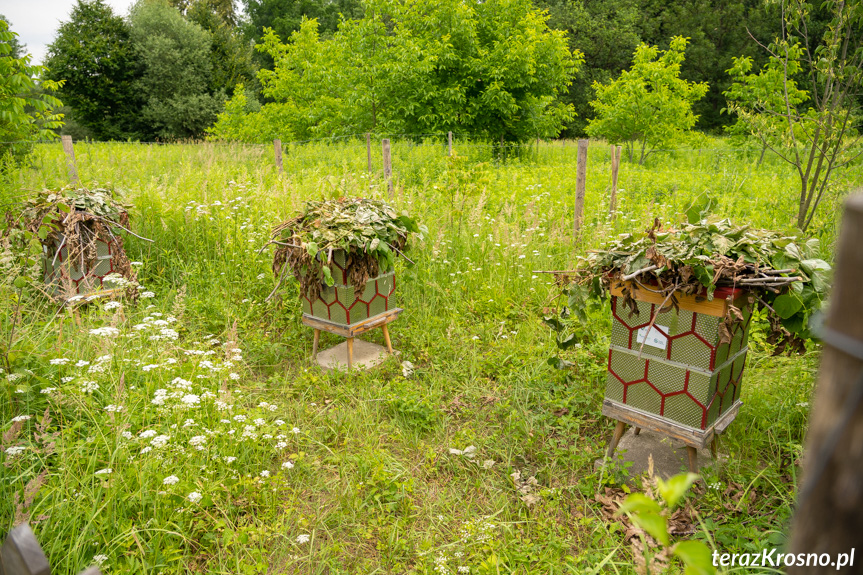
[(277, 146), (615, 166), (449, 143), (580, 183), (369, 151), (388, 166), (70, 159), (827, 517)]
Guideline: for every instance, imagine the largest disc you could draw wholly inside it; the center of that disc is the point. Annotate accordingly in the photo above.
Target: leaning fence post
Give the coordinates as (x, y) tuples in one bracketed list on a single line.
[(388, 166), (580, 183), (277, 146), (449, 143), (615, 167), (70, 159)]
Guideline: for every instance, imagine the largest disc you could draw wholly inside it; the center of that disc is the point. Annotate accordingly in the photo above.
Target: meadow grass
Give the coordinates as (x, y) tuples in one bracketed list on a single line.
[(198, 436)]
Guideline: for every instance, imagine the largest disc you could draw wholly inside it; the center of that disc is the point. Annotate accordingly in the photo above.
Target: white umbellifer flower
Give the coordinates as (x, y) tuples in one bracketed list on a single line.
[(127, 435), (463, 569), (295, 430), (287, 465), (160, 441), (113, 305), (147, 295), (100, 559), (140, 326), (279, 422), (259, 421), (146, 449), (198, 440), (281, 445), (303, 538), (106, 331), (106, 471), (20, 418), (170, 480), (81, 363), (169, 333), (113, 408), (59, 361), (234, 376), (191, 399), (137, 263), (48, 390), (66, 379), (230, 459), (240, 418), (194, 497), (147, 434), (265, 473), (475, 337), (15, 450), (150, 367)]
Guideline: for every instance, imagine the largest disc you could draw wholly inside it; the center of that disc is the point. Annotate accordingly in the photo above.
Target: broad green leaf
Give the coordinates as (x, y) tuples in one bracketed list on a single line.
[(655, 524), (696, 556), (639, 503), (675, 487), (787, 305)]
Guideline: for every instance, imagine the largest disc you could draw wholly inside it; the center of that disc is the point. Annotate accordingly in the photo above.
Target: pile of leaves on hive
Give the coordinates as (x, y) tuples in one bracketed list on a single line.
[(777, 272), (370, 232), (73, 218)]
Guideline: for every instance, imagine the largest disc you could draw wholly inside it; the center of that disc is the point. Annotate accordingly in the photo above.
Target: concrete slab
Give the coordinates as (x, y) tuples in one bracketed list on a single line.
[(669, 456), (366, 356)]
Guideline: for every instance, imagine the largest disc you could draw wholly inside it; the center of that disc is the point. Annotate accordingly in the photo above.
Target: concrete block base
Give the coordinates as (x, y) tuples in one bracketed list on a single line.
[(669, 455), (366, 356)]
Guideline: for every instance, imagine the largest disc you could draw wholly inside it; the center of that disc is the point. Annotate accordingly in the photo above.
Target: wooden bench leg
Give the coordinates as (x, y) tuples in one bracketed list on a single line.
[(637, 431), (713, 445), (615, 439), (315, 343), (350, 352), (693, 458), (387, 338)]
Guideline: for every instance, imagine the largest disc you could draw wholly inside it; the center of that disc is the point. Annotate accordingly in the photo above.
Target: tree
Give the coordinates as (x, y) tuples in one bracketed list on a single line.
[(285, 16), (16, 48), (27, 109), (816, 130), (93, 55), (492, 69), (648, 105), (174, 85), (231, 56)]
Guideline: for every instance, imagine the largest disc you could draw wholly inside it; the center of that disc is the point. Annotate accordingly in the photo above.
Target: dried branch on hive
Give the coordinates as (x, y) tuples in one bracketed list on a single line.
[(75, 218), (370, 232), (780, 272)]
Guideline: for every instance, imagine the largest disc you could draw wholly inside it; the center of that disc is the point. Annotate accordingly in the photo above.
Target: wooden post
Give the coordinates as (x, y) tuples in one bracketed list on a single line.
[(580, 183), (70, 159), (619, 428), (277, 146), (827, 517), (449, 143), (369, 151), (388, 166), (615, 166)]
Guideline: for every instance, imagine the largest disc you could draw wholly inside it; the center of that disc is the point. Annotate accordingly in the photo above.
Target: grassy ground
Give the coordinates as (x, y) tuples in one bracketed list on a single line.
[(251, 460)]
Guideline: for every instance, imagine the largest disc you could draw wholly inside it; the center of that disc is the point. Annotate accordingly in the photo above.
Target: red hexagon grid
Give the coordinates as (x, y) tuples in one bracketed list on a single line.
[(60, 272), (687, 396), (340, 304)]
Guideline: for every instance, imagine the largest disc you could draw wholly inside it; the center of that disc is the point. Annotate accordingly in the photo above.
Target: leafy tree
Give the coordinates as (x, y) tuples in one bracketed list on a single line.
[(224, 9), (94, 57), (285, 16), (649, 105), (27, 109), (16, 48), (175, 54), (606, 31), (232, 57), (816, 130), (492, 68)]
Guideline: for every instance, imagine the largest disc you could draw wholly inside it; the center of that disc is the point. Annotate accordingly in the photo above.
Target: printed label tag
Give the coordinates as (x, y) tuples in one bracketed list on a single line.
[(654, 338)]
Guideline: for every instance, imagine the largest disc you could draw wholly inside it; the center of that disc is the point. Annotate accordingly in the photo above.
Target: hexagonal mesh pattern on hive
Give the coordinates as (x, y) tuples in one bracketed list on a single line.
[(62, 274), (681, 382), (339, 304)]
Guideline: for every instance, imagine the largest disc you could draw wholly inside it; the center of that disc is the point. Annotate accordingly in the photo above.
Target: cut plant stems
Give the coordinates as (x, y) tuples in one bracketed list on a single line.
[(370, 232)]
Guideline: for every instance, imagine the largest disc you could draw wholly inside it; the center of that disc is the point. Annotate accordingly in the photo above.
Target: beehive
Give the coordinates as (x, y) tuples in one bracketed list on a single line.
[(677, 369), (339, 303), (63, 275)]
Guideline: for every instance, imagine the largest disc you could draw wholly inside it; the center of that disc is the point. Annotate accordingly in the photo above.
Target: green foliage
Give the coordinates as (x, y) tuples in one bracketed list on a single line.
[(93, 56), (649, 105), (175, 55), (285, 17), (230, 54), (816, 130), (496, 70), (28, 111)]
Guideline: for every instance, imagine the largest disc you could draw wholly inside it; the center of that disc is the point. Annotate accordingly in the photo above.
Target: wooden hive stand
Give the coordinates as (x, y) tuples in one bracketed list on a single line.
[(350, 332)]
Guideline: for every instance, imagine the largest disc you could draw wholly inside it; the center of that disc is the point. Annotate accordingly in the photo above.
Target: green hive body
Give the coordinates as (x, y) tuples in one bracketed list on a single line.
[(60, 273), (682, 372), (340, 305)]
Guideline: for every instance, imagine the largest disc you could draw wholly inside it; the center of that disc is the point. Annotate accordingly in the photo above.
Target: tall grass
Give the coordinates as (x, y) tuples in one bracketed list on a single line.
[(350, 473)]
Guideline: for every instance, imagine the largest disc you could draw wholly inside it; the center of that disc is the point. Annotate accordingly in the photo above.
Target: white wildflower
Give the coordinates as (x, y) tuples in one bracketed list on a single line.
[(106, 331), (59, 361), (303, 538), (194, 496), (106, 471), (288, 465), (171, 480)]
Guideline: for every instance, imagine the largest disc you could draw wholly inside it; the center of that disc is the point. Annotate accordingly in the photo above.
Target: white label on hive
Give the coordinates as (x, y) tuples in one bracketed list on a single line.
[(654, 338)]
